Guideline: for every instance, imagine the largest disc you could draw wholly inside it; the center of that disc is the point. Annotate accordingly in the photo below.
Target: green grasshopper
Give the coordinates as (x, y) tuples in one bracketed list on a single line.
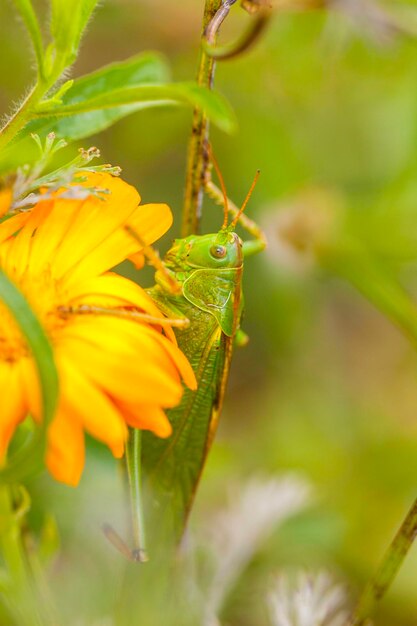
[(207, 270), (199, 288)]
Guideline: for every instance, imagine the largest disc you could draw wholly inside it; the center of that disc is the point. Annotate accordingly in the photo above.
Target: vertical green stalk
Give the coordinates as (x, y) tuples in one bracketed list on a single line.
[(134, 470), (20, 595), (197, 159), (29, 458), (385, 575)]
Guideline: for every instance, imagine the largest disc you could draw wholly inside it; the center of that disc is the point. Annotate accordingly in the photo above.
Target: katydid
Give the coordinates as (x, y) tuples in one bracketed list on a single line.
[(208, 271), (199, 288)]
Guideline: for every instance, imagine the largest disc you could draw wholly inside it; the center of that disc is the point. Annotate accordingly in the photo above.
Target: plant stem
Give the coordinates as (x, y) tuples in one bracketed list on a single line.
[(198, 160), (20, 598), (21, 116), (134, 470), (385, 575)]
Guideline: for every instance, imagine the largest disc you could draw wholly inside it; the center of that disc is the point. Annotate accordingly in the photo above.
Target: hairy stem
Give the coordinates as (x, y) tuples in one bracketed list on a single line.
[(25, 111), (385, 575), (198, 159), (20, 117)]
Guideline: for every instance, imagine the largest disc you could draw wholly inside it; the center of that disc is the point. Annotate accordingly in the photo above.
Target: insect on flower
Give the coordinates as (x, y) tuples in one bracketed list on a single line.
[(115, 370), (207, 271)]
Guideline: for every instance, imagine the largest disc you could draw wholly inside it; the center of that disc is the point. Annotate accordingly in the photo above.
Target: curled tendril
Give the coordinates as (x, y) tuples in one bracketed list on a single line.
[(262, 11)]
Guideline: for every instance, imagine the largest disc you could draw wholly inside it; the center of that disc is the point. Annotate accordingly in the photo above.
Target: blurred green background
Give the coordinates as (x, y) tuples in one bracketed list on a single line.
[(327, 386)]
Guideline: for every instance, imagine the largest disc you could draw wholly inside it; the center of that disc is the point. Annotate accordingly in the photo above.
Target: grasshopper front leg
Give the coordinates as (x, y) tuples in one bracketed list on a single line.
[(179, 321)]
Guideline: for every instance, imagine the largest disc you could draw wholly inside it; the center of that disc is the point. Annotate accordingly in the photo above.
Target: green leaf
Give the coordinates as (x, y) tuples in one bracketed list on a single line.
[(147, 67), (30, 456), (68, 22), (134, 73), (141, 69), (98, 100), (213, 104), (28, 14)]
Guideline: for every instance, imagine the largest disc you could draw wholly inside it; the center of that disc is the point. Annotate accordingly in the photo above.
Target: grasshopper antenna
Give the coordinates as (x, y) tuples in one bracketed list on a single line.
[(223, 188), (252, 187)]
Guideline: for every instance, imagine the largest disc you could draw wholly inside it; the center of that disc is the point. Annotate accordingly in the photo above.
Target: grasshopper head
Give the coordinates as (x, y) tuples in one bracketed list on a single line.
[(213, 251)]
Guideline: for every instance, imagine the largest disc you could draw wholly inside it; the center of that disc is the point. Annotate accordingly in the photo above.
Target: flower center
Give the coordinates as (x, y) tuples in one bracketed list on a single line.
[(43, 296)]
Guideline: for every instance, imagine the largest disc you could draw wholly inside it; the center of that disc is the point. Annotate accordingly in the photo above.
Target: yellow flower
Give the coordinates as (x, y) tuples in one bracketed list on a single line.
[(113, 371)]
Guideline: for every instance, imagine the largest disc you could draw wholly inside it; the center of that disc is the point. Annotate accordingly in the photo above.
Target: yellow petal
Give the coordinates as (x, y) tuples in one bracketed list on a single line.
[(126, 291), (136, 342), (52, 231), (5, 200), (96, 224), (19, 249), (12, 225), (102, 181), (4, 254), (142, 382), (92, 408), (178, 358), (30, 387), (77, 227), (147, 417), (12, 408), (117, 247), (66, 450), (117, 356), (151, 221), (112, 291)]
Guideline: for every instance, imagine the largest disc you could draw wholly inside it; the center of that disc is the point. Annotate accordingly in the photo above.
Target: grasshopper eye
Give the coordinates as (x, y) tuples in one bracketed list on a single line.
[(218, 252)]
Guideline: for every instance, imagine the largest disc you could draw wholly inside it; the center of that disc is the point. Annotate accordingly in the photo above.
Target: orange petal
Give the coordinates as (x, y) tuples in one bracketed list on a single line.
[(138, 260), (142, 382), (12, 225), (151, 221), (133, 340), (120, 245), (30, 387), (101, 180), (117, 356), (178, 358), (12, 404), (5, 201), (93, 222), (147, 417), (52, 231), (20, 246), (117, 291), (92, 408), (98, 221), (66, 450), (125, 290)]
